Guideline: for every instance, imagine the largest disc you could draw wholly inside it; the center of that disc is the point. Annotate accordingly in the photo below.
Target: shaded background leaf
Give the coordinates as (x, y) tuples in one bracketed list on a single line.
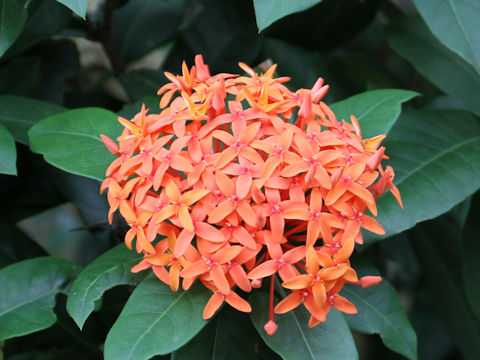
[(12, 19), (8, 153), (109, 270), (411, 39), (28, 294), (267, 12), (456, 24)]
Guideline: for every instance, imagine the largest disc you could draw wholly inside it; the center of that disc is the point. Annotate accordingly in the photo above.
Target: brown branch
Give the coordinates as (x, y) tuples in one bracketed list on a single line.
[(102, 34)]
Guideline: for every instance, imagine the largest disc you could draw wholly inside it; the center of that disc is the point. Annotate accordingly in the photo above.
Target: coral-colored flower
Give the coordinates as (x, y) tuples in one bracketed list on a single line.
[(239, 179)]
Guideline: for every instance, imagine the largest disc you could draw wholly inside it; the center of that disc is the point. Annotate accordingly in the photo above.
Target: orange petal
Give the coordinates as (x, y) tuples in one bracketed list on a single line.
[(333, 273), (226, 254), (173, 193), (209, 232), (237, 302), (289, 303), (277, 226), (372, 225), (244, 182), (213, 304), (223, 209), (183, 240), (192, 196), (319, 294), (241, 235), (338, 190), (219, 279), (159, 259), (174, 277), (313, 265), (248, 215), (342, 304), (197, 268), (240, 278), (185, 218), (142, 265), (225, 184), (263, 270), (298, 282)]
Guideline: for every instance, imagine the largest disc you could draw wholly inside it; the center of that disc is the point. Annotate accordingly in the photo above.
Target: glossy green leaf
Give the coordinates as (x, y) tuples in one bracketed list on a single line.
[(79, 7), (143, 83), (109, 270), (440, 262), (230, 335), (151, 103), (71, 140), (269, 11), (456, 23), (156, 321), (20, 76), (436, 158), (13, 16), (8, 153), (411, 39), (381, 312), (295, 340), (45, 18), (231, 38), (471, 254), (19, 113), (376, 110), (142, 25), (28, 294)]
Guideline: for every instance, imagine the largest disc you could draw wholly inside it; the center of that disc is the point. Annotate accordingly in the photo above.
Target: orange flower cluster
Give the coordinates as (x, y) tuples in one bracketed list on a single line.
[(244, 179)]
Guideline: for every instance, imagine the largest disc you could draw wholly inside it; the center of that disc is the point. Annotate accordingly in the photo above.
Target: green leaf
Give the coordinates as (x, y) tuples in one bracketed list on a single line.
[(231, 38), (71, 140), (295, 340), (411, 39), (156, 321), (28, 294), (45, 18), (470, 255), (79, 7), (381, 312), (376, 110), (19, 113), (108, 270), (437, 246), (151, 103), (455, 23), (8, 153), (20, 76), (13, 16), (229, 335), (269, 11), (142, 83), (436, 158), (142, 25)]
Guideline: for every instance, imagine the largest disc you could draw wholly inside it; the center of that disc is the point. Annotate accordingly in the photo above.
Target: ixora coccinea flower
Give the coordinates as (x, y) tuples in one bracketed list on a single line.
[(239, 179)]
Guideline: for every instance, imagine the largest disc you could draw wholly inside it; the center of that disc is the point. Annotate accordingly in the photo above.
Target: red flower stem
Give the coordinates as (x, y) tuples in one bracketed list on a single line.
[(272, 287)]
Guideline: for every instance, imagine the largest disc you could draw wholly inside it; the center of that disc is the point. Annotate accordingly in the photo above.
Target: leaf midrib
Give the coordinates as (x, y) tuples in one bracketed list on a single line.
[(53, 291), (436, 157), (110, 269), (465, 34), (386, 320), (154, 323)]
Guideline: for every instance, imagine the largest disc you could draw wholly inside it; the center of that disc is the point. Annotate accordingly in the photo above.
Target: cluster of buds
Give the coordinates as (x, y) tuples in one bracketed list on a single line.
[(239, 179)]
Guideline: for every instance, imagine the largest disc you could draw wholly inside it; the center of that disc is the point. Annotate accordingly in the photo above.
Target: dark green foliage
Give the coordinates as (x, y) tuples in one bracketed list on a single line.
[(410, 70)]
